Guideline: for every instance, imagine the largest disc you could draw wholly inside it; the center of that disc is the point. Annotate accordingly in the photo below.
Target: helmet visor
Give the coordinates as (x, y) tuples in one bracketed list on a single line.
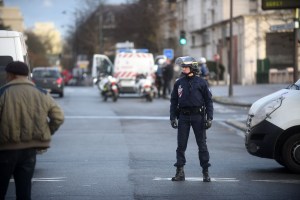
[(186, 61)]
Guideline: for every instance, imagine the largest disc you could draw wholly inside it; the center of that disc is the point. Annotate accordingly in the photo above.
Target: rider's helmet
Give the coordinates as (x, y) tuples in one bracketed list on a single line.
[(188, 61), (202, 60)]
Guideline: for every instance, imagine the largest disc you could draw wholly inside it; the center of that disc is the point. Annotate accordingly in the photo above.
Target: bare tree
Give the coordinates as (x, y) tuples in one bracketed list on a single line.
[(36, 50)]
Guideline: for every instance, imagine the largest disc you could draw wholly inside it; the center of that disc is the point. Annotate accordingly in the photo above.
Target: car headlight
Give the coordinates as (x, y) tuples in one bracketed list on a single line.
[(266, 111)]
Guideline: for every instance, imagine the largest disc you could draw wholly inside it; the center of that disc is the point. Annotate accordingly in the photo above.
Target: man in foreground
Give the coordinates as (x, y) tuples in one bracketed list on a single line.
[(29, 116)]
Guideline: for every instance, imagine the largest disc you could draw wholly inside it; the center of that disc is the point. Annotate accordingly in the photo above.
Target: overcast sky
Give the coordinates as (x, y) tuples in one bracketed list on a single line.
[(60, 12)]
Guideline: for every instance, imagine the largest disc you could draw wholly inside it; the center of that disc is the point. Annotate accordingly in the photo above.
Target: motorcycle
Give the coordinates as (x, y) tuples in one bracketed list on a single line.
[(108, 87), (146, 87)]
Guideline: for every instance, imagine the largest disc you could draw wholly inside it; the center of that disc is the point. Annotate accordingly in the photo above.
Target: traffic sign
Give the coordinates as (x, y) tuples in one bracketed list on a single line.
[(279, 4), (169, 53), (280, 27)]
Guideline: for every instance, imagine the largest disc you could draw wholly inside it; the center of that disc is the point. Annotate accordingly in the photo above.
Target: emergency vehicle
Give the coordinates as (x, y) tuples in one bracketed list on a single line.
[(274, 127), (129, 65)]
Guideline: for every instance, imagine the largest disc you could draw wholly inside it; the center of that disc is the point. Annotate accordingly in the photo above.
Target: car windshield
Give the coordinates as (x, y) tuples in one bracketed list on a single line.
[(45, 74)]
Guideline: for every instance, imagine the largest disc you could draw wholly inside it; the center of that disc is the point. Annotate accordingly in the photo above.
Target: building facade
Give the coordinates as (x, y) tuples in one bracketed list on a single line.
[(207, 24), (12, 17)]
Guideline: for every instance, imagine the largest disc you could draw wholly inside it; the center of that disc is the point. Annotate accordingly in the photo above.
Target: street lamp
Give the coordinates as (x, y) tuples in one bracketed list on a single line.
[(230, 90)]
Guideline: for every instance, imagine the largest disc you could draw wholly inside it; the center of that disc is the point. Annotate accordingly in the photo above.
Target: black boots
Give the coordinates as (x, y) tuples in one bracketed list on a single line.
[(179, 175), (206, 177)]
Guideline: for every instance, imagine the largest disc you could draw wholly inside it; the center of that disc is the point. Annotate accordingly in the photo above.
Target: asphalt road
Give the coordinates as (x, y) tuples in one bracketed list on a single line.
[(126, 150)]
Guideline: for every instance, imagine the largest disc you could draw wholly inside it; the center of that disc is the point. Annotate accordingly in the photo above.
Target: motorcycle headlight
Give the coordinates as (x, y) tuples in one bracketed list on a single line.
[(266, 111)]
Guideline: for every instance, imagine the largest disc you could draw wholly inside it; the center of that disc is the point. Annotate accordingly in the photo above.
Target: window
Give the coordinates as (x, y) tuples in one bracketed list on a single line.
[(4, 60)]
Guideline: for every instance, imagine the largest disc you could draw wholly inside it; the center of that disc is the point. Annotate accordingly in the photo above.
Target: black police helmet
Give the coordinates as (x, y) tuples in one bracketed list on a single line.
[(188, 61)]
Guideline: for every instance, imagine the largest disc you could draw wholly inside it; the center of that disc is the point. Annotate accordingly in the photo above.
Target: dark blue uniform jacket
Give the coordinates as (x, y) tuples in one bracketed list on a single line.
[(191, 92)]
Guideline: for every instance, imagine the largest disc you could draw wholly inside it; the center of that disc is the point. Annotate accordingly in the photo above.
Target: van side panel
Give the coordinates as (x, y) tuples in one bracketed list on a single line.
[(7, 48)]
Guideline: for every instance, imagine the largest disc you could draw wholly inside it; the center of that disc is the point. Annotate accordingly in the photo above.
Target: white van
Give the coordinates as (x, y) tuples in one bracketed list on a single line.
[(12, 48), (128, 65), (101, 66), (274, 127)]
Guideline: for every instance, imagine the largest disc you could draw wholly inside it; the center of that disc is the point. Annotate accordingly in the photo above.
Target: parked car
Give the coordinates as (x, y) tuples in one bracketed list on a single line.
[(50, 79)]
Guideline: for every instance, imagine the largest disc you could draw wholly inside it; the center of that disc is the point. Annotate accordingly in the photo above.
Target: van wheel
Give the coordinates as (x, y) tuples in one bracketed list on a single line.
[(291, 153)]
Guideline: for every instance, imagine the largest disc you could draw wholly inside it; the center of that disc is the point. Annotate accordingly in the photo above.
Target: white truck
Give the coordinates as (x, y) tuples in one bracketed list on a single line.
[(274, 127), (129, 65), (101, 66), (12, 48)]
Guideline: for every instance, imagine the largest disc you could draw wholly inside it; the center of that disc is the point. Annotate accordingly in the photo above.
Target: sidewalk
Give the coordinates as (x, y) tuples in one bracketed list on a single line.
[(243, 95)]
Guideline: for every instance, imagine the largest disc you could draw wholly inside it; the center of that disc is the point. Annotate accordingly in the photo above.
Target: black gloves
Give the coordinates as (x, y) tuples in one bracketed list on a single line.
[(174, 123), (208, 124)]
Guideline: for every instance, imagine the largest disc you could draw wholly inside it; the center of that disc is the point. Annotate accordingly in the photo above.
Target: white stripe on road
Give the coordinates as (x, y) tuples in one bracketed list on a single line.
[(199, 179), (279, 181), (119, 117), (55, 179), (131, 117)]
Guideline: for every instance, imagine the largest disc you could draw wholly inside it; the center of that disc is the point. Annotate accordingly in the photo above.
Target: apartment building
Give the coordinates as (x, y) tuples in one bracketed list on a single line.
[(12, 17), (207, 24)]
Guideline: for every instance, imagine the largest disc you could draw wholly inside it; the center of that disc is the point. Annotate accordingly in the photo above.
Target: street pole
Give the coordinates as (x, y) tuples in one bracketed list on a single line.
[(230, 91), (296, 29)]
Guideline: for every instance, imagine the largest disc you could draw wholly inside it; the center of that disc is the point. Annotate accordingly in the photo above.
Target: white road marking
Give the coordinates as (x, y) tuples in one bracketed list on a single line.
[(120, 117), (279, 181), (199, 179), (130, 117), (55, 179)]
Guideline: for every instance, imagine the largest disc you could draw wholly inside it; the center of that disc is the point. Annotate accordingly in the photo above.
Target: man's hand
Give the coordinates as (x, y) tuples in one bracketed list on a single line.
[(174, 123), (208, 124)]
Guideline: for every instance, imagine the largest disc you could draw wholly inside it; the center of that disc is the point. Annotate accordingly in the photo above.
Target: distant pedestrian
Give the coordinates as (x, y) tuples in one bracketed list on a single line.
[(168, 71), (191, 104), (204, 72), (29, 116)]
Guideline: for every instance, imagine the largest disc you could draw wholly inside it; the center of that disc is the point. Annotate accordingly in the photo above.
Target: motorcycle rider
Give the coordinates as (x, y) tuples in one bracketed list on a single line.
[(191, 101)]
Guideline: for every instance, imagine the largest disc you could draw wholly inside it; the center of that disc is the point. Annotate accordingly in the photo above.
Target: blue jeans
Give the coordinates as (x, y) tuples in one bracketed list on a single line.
[(20, 164), (185, 122)]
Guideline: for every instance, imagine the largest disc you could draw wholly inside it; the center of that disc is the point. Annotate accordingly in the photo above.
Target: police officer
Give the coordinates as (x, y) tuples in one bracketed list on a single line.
[(191, 104), (204, 72)]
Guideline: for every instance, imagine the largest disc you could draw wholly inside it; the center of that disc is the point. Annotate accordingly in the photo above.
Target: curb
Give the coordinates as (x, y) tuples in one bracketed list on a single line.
[(237, 124), (227, 101)]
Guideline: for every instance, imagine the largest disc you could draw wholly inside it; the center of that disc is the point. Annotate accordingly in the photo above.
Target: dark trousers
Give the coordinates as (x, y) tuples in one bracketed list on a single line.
[(185, 122), (20, 164), (166, 88)]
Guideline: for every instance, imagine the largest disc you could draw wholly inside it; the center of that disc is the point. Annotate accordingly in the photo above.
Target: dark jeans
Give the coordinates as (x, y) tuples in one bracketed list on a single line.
[(20, 164), (185, 122)]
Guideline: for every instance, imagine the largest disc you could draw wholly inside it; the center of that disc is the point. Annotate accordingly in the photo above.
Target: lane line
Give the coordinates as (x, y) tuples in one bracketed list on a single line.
[(55, 179), (131, 117), (199, 179), (279, 181)]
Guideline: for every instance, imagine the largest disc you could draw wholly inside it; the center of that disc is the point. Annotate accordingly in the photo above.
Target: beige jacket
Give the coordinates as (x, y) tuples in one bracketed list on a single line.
[(28, 116)]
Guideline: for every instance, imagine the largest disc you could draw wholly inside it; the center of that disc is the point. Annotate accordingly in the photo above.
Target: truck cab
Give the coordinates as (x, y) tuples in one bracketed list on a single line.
[(273, 127)]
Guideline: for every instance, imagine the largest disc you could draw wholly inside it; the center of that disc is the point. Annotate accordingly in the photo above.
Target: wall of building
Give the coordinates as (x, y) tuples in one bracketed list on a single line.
[(12, 17)]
